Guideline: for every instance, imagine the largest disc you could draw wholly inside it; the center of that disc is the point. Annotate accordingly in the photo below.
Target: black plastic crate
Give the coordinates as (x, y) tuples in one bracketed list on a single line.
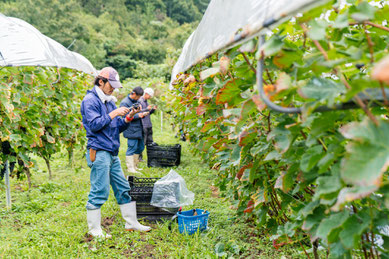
[(141, 192), (163, 155)]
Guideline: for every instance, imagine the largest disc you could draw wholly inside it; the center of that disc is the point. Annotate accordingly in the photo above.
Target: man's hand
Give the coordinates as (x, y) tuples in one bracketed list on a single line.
[(134, 111), (149, 107), (131, 114), (119, 112), (143, 114)]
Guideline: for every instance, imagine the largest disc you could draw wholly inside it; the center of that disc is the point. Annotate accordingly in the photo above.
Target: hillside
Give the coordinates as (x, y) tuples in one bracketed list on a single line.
[(136, 37)]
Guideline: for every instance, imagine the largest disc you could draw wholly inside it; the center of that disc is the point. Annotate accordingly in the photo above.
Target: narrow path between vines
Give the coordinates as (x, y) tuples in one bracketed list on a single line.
[(49, 220)]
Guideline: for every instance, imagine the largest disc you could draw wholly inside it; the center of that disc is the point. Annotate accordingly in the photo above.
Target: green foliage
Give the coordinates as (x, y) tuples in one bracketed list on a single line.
[(40, 111), (304, 177), (125, 34)]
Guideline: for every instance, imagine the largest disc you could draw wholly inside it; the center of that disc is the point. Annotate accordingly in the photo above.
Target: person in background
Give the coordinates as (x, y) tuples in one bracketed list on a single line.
[(103, 123), (146, 121), (134, 133)]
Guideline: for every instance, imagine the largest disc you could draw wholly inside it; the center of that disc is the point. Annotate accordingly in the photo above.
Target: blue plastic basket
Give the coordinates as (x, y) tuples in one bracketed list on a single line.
[(189, 224)]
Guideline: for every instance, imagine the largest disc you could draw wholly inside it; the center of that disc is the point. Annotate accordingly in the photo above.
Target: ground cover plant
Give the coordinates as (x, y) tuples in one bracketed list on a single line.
[(312, 177)]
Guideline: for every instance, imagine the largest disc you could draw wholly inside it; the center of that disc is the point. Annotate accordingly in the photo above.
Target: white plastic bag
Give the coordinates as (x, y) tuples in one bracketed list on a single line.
[(171, 192)]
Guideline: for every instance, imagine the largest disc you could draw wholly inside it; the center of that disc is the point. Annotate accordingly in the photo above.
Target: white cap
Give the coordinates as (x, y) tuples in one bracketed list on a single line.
[(149, 91)]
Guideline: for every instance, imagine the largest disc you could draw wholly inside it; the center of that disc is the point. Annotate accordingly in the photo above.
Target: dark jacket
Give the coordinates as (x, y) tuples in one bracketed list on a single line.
[(135, 130), (146, 121), (102, 132)]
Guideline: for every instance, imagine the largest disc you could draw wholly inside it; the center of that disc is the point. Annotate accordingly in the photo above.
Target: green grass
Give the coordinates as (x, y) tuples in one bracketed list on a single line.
[(49, 220)]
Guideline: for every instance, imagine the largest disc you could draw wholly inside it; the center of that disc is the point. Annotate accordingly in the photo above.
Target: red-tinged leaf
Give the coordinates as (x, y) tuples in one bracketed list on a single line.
[(224, 64), (270, 90), (351, 194), (285, 59), (219, 144), (241, 170), (201, 91), (258, 197), (30, 164), (203, 97), (220, 119), (280, 183), (258, 102), (181, 77), (200, 110), (277, 245), (278, 60), (247, 137), (230, 93), (207, 126), (250, 207), (189, 80), (9, 107), (28, 78), (41, 131), (283, 82), (248, 108)]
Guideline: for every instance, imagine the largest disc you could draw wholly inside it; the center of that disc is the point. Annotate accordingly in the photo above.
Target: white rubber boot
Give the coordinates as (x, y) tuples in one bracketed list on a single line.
[(129, 215), (136, 162), (130, 162), (94, 224)]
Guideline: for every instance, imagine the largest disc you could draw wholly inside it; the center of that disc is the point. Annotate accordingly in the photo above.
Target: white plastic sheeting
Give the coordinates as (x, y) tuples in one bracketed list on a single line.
[(171, 192), (21, 44), (228, 22)]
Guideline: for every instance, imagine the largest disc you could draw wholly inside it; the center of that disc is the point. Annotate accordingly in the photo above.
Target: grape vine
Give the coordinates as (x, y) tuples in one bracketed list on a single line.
[(39, 113), (316, 178)]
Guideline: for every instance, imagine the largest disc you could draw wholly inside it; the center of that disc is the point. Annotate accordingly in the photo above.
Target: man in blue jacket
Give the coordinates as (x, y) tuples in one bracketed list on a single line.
[(134, 133), (103, 124)]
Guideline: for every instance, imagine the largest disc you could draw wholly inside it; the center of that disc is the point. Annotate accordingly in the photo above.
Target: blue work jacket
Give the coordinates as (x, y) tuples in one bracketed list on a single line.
[(102, 132), (135, 130)]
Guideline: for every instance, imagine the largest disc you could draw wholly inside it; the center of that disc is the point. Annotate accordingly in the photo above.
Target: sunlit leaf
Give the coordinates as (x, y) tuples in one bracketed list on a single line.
[(317, 30), (367, 155), (322, 89), (365, 12), (351, 194)]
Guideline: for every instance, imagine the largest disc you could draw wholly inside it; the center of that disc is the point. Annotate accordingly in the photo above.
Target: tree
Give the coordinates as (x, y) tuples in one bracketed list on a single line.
[(182, 11)]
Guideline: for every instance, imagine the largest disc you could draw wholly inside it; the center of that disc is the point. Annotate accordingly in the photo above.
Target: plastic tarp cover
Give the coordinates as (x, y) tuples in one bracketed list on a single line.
[(171, 192), (228, 22), (21, 44)]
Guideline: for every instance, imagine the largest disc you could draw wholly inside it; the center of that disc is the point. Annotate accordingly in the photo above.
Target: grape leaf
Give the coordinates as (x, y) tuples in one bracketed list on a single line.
[(367, 155)]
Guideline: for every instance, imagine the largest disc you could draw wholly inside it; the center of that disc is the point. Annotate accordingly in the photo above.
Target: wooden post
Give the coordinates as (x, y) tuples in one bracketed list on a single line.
[(7, 185), (161, 121)]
